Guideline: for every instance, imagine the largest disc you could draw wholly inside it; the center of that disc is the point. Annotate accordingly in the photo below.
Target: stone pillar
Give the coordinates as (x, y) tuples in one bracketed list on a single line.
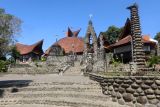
[(91, 33), (137, 50)]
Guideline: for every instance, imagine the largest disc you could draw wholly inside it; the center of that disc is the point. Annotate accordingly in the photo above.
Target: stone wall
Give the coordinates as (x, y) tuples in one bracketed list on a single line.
[(132, 91)]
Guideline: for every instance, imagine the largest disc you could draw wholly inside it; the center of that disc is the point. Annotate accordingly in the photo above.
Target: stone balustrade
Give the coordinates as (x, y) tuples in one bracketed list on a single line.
[(135, 91)]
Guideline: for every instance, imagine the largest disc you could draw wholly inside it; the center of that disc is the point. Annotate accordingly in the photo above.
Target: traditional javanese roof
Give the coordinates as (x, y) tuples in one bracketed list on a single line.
[(26, 49), (69, 43), (127, 39)]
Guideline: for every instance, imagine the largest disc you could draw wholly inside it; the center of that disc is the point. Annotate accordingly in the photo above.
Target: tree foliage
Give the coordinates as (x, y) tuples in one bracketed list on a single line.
[(157, 37), (3, 65), (112, 34), (9, 28), (153, 60), (14, 54)]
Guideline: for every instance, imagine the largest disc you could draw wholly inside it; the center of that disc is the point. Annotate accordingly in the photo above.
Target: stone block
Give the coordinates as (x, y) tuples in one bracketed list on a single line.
[(135, 94), (149, 91), (158, 105), (115, 85), (119, 81), (109, 92), (138, 81), (130, 90), (116, 89), (113, 94), (153, 101), (118, 95), (105, 87), (114, 99), (148, 82), (139, 90), (132, 78), (139, 105), (111, 80), (154, 86), (110, 88), (144, 86), (105, 92), (121, 90), (151, 96), (128, 81), (135, 86), (121, 101), (103, 84), (157, 82), (157, 92), (109, 84), (142, 94), (142, 99), (130, 104), (158, 97), (125, 85), (127, 97)]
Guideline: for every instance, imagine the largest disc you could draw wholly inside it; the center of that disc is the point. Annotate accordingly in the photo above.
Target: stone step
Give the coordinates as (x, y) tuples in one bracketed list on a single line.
[(73, 102), (61, 83), (34, 105), (33, 89), (56, 95), (60, 92)]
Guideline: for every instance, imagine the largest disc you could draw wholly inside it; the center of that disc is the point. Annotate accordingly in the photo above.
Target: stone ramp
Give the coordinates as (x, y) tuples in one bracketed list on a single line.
[(54, 90)]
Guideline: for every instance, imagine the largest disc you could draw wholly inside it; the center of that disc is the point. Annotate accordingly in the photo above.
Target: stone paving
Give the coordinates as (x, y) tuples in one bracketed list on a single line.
[(51, 90)]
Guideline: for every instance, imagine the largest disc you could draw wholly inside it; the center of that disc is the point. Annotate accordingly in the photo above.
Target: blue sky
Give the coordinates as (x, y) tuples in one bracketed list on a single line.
[(43, 19)]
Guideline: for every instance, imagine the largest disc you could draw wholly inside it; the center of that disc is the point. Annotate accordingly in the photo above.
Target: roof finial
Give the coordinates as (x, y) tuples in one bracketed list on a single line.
[(90, 19), (90, 16)]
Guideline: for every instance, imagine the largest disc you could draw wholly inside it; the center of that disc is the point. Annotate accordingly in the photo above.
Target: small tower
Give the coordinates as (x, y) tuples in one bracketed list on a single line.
[(138, 55), (91, 33)]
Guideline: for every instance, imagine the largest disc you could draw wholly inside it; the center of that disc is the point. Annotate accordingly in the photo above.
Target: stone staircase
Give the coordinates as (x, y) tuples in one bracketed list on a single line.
[(52, 90), (74, 70)]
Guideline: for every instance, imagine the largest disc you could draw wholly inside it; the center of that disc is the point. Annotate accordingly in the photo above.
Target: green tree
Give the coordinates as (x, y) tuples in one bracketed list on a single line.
[(9, 29), (112, 34), (14, 54), (157, 37)]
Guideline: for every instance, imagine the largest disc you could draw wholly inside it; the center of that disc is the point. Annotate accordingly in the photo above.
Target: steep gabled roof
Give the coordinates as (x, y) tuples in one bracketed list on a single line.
[(75, 33), (127, 39), (25, 49), (126, 29), (71, 33)]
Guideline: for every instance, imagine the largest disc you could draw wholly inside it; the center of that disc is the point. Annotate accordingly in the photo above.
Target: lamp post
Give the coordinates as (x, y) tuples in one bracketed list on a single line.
[(73, 56), (56, 37)]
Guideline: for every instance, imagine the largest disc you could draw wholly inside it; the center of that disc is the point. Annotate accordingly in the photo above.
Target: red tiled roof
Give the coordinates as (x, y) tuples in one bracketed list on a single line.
[(70, 43), (127, 39), (74, 44), (25, 49)]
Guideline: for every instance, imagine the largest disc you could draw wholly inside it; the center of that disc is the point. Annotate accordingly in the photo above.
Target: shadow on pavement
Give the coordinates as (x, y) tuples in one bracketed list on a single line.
[(13, 85)]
